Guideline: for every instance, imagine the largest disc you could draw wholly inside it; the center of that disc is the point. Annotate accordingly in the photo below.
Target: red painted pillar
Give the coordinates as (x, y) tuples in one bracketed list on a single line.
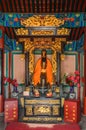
[(1, 69), (78, 88), (84, 105), (10, 59)]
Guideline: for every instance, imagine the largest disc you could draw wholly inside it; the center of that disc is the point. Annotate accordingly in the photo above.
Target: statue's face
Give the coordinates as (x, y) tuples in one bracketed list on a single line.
[(43, 54)]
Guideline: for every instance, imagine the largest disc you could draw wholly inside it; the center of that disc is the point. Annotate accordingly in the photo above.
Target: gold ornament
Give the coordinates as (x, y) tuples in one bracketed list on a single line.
[(39, 20), (21, 31), (62, 56), (63, 31)]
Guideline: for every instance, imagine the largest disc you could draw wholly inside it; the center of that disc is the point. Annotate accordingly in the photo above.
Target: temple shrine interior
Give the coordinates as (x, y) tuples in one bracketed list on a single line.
[(42, 60)]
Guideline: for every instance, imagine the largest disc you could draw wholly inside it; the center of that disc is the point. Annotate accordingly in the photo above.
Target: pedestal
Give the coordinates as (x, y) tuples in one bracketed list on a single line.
[(42, 110)]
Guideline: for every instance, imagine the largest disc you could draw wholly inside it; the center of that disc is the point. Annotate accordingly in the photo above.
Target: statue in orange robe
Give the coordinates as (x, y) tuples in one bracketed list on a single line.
[(43, 67)]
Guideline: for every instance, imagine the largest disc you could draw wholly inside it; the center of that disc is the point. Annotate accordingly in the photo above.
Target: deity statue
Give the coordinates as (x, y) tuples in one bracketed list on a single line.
[(43, 74)]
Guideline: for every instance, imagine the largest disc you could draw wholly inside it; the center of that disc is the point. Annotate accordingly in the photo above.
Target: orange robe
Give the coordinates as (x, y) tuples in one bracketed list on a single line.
[(37, 72)]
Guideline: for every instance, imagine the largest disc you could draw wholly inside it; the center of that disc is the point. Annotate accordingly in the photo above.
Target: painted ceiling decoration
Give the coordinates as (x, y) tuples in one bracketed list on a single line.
[(74, 45), (71, 19), (10, 43), (42, 43), (74, 21), (42, 6), (12, 12)]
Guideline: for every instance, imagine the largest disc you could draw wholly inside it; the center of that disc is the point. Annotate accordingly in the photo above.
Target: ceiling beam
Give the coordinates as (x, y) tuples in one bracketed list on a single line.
[(37, 4), (54, 6), (14, 5), (26, 5), (59, 6), (50, 6), (8, 6), (79, 4), (29, 8), (33, 9), (19, 9), (65, 6), (22, 6), (41, 5), (1, 7), (68, 3), (45, 6), (83, 4), (4, 6)]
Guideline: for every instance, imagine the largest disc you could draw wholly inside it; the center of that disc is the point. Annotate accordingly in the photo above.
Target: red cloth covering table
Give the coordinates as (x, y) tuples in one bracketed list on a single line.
[(23, 126)]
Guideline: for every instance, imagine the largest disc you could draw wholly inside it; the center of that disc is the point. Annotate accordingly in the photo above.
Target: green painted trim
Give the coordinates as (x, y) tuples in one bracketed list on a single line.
[(70, 53), (6, 64), (6, 67), (12, 66), (81, 68), (16, 52), (21, 84), (77, 61), (38, 52), (81, 65)]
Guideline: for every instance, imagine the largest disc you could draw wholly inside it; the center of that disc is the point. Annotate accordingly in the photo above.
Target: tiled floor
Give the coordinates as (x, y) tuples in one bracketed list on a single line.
[(82, 123)]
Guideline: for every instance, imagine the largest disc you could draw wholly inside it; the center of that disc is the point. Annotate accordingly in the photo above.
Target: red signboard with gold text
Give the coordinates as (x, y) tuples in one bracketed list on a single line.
[(72, 111), (11, 110)]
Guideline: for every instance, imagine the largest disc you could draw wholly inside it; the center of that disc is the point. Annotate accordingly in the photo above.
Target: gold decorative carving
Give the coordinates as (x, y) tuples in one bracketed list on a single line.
[(57, 89), (21, 31), (42, 43), (56, 110), (62, 56), (42, 101), (22, 56), (63, 31), (42, 110), (42, 32), (29, 46), (31, 60), (39, 20), (45, 119), (22, 101), (29, 110)]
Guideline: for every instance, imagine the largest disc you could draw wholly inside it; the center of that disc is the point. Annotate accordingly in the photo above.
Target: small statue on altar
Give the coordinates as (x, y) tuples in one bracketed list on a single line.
[(15, 85), (43, 75)]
